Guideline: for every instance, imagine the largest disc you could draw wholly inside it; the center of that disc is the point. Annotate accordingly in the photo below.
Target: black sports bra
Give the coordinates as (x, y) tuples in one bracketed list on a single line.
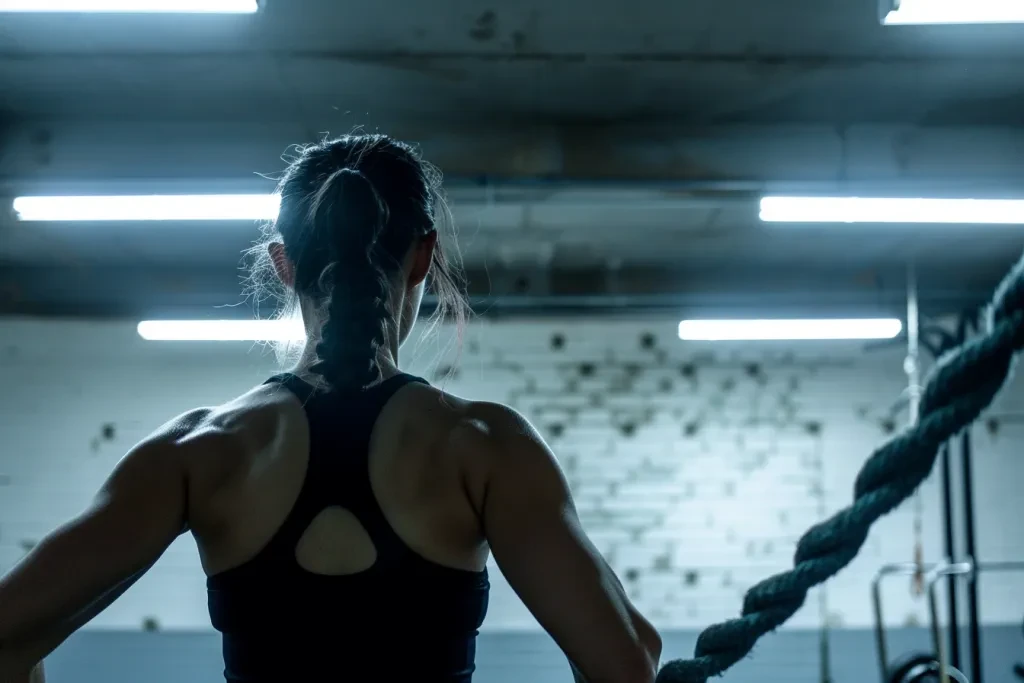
[(403, 618)]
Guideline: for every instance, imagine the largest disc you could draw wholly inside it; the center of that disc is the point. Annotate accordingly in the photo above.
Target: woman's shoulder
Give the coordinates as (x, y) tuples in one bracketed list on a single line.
[(456, 410), (219, 446), (476, 426), (233, 431)]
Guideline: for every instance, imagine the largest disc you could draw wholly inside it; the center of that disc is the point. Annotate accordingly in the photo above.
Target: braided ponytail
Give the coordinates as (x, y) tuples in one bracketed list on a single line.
[(356, 287)]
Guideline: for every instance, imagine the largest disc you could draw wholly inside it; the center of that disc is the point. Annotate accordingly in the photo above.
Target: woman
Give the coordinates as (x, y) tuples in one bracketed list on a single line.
[(344, 512)]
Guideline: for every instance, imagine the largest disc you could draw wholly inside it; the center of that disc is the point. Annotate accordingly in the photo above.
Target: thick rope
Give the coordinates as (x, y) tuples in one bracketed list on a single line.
[(961, 385)]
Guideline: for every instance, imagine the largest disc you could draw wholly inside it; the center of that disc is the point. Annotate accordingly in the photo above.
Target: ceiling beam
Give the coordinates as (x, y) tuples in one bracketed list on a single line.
[(47, 156), (160, 293)]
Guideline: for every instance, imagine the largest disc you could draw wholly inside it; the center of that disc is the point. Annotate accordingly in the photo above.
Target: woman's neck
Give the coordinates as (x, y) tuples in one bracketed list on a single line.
[(387, 361), (387, 355)]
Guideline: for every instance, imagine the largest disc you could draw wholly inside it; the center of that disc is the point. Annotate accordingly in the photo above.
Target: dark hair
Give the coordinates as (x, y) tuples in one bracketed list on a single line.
[(351, 208)]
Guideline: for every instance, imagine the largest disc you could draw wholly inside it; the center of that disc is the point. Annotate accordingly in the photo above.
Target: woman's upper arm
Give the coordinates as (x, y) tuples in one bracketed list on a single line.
[(535, 535), (136, 515)]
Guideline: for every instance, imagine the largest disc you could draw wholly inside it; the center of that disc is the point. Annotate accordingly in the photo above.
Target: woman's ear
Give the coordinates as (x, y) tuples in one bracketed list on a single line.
[(422, 257), (282, 264)]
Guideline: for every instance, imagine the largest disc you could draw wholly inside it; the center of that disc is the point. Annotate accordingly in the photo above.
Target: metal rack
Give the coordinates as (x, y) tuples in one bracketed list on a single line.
[(958, 566)]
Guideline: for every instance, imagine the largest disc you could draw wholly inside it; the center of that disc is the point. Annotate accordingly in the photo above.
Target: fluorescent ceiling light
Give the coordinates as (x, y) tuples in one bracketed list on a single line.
[(890, 210), (956, 12), (132, 6), (767, 330), (222, 330), (212, 207)]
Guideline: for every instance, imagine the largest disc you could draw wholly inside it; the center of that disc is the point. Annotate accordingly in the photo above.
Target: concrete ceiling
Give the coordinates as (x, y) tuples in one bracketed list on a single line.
[(701, 61), (589, 150)]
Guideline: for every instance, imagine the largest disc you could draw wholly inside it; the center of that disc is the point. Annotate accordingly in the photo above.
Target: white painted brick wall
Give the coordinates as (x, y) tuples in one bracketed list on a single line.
[(695, 467)]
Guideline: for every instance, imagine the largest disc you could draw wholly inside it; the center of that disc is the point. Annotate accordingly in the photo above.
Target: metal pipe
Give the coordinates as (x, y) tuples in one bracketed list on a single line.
[(912, 364), (974, 633), (950, 552), (880, 644), (886, 571), (1009, 566), (954, 569)]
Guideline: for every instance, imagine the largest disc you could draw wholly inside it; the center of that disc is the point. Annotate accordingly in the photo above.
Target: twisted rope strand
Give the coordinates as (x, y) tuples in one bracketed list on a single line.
[(960, 386)]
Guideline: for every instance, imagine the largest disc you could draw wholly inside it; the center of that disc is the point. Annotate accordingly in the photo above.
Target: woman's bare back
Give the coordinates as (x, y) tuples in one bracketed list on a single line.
[(421, 475)]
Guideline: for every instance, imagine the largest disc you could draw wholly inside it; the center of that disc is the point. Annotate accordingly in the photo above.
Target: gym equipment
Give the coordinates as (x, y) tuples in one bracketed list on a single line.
[(994, 567), (899, 671), (958, 569), (924, 669), (959, 388), (917, 668), (938, 342), (921, 668), (895, 671)]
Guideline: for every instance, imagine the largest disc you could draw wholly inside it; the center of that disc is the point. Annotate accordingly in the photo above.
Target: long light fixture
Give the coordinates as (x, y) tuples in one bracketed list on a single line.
[(221, 330), (132, 6), (212, 207), (891, 210), (789, 330), (953, 12)]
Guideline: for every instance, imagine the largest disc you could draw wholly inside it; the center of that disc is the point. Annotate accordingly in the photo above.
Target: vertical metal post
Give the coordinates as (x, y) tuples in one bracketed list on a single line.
[(912, 364), (969, 542), (912, 367), (950, 552), (880, 641)]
